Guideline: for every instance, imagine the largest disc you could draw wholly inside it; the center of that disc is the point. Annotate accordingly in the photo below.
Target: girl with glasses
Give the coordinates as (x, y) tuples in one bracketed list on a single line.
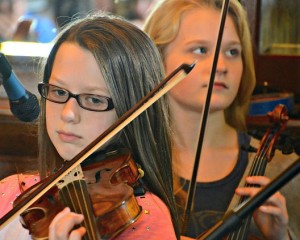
[(99, 67)]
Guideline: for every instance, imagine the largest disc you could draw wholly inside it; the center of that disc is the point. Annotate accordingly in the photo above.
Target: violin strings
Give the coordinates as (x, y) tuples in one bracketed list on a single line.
[(75, 196), (88, 211), (257, 169), (80, 207)]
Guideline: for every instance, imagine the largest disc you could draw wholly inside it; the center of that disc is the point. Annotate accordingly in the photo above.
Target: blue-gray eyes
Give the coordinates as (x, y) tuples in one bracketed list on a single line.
[(90, 102), (232, 52), (200, 50), (59, 92)]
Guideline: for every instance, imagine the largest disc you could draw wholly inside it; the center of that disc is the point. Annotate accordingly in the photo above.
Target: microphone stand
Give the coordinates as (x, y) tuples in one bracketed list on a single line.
[(233, 218)]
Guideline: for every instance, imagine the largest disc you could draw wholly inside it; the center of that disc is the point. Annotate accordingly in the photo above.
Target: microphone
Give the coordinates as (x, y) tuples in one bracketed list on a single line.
[(23, 104)]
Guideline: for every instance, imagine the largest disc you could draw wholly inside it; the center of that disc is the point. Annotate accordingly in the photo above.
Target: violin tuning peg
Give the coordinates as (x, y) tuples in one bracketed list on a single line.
[(141, 172)]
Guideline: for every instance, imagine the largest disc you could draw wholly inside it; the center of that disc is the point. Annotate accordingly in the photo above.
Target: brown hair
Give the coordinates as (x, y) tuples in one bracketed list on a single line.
[(131, 67)]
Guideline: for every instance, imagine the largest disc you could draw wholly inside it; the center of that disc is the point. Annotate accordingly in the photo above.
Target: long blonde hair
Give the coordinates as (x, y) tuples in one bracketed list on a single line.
[(163, 23)]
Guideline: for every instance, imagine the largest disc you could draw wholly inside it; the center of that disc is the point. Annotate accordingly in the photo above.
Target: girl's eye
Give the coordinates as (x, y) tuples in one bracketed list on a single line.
[(60, 92), (233, 52), (56, 92), (95, 100), (200, 50)]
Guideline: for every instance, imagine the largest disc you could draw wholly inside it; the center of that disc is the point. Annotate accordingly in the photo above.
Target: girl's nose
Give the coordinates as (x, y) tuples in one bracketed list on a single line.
[(221, 66), (70, 111)]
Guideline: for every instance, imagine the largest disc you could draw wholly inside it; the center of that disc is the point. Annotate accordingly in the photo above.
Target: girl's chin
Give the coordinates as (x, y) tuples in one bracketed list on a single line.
[(218, 107), (67, 156)]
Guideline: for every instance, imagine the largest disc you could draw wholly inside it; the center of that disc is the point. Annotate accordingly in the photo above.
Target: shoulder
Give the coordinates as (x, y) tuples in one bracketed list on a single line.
[(11, 187), (155, 221)]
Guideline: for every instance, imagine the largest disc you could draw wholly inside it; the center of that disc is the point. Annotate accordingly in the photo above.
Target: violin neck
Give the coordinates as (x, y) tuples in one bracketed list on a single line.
[(75, 195), (257, 169)]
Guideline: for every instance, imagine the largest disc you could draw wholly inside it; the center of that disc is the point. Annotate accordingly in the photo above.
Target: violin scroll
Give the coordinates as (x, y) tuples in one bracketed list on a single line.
[(279, 114)]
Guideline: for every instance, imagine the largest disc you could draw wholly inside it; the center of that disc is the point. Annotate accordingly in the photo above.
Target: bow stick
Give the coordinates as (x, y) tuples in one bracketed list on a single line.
[(192, 186)]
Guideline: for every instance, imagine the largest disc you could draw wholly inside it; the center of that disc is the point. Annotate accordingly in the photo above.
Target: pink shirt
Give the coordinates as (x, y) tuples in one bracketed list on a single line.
[(11, 187), (154, 223)]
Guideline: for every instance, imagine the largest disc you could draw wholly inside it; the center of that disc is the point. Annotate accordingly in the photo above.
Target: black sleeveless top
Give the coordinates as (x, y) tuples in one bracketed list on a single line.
[(213, 198)]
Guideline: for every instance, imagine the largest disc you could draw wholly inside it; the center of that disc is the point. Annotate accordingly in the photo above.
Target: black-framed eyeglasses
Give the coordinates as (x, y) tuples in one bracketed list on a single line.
[(90, 102)]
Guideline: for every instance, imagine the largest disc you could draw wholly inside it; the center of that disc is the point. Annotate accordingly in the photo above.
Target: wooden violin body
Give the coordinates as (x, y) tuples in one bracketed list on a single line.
[(102, 191), (110, 186), (38, 217)]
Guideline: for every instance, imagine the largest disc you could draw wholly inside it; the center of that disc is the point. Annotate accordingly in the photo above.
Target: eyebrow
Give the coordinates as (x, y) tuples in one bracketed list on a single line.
[(61, 84), (206, 42), (234, 43), (197, 41)]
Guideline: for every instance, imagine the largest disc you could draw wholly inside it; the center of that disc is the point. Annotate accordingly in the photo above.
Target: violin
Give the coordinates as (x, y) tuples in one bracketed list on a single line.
[(104, 196), (263, 155)]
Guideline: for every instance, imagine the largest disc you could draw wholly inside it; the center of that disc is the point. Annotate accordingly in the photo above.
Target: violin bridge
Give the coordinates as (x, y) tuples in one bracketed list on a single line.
[(75, 174)]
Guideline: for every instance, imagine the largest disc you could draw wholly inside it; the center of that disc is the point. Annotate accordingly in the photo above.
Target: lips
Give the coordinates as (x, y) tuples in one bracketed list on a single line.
[(220, 85), (68, 136), (217, 85)]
